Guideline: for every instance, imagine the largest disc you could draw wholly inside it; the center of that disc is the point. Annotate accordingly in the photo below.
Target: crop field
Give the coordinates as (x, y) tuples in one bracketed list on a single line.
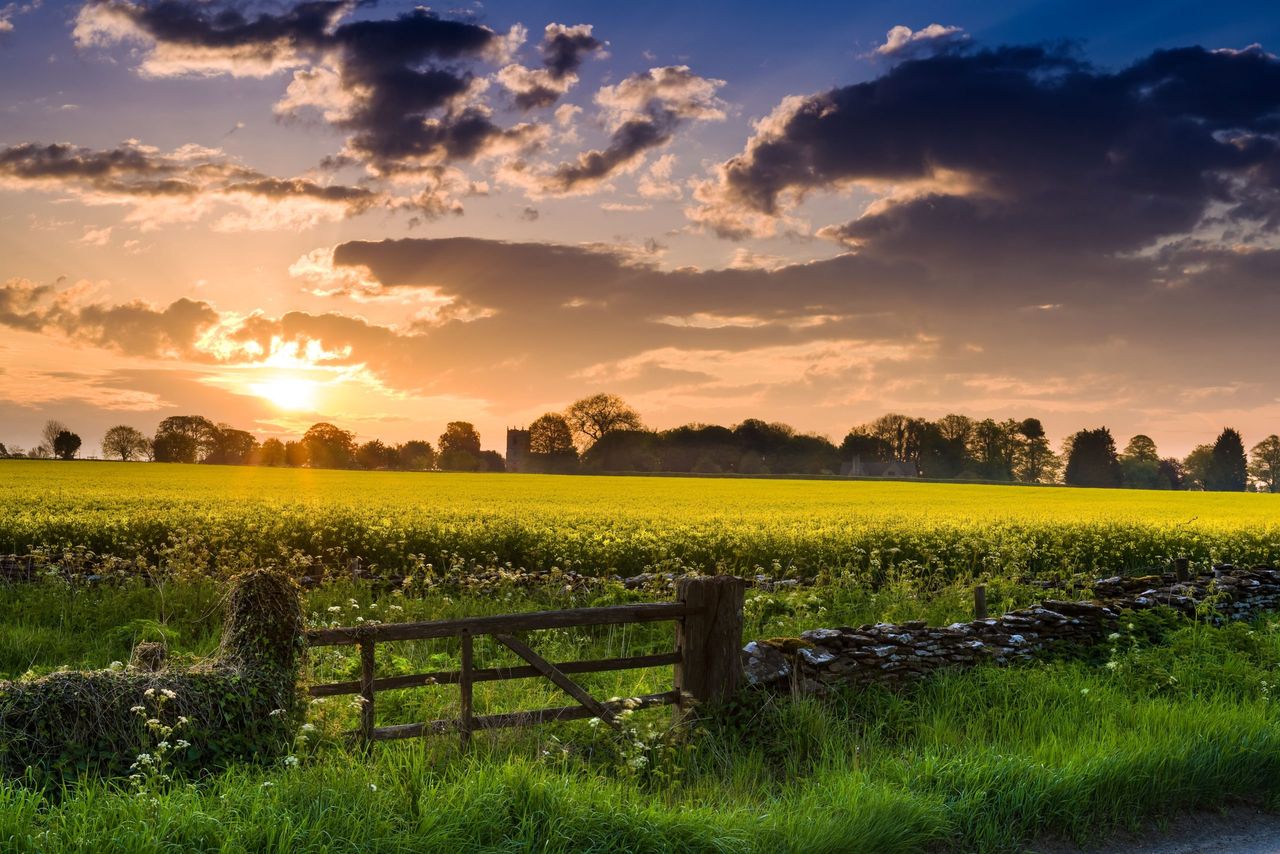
[(1170, 715), (219, 518)]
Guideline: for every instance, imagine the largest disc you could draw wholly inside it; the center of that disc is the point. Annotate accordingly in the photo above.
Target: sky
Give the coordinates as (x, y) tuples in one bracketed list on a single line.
[(392, 216)]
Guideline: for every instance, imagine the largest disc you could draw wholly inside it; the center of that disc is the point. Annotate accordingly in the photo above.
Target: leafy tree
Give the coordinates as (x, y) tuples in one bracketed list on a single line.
[(624, 450), (125, 442), (231, 447), (329, 447), (1228, 469), (550, 434), (1035, 461), (184, 439), (994, 447), (866, 447), (592, 417), (375, 455), (761, 436), (1141, 448), (295, 454), (1092, 459), (460, 436), (3, 451), (1264, 463), (1172, 471), (459, 448), (1137, 473), (271, 453), (1196, 467), (492, 461), (416, 455), (65, 445)]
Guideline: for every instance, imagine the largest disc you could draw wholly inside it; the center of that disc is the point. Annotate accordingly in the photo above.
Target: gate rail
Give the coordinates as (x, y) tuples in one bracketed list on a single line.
[(708, 619)]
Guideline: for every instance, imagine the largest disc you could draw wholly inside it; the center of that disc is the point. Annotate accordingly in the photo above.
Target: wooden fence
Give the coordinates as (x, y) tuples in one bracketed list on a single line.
[(706, 659)]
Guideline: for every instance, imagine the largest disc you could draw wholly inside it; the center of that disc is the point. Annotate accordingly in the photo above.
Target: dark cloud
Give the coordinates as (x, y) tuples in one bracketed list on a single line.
[(398, 85), (644, 111), (563, 50), (199, 179), (1023, 150)]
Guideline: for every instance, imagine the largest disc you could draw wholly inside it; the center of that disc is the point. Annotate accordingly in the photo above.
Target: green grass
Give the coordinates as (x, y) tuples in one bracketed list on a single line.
[(212, 518), (1170, 716)]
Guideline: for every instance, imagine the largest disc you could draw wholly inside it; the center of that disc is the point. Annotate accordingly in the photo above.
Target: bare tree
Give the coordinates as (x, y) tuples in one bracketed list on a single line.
[(50, 433), (126, 443)]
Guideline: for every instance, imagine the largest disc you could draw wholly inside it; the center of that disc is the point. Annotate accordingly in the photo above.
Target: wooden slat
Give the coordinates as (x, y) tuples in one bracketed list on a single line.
[(497, 674), (366, 689), (547, 669), (464, 684), (518, 719), (607, 615)]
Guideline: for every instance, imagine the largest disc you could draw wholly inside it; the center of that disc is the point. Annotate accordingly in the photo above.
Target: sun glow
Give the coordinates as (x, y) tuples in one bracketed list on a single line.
[(290, 393)]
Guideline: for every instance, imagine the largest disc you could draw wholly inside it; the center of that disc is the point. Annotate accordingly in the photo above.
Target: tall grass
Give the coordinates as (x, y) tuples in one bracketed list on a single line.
[(1169, 716)]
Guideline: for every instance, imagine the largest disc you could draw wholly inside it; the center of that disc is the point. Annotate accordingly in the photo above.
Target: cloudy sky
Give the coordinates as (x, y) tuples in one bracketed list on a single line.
[(391, 216)]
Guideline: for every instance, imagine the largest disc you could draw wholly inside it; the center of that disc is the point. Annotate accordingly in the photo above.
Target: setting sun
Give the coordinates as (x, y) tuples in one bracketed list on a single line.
[(288, 392)]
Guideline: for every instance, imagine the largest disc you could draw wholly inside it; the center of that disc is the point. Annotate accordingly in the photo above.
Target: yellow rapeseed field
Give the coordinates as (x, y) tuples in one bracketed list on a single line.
[(219, 518)]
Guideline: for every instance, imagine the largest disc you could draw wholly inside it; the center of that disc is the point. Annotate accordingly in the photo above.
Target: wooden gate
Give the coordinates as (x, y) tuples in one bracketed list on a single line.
[(706, 659)]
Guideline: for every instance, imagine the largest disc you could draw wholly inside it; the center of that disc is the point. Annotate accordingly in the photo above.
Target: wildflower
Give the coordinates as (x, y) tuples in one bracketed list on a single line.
[(267, 784), (334, 609), (182, 744), (1114, 636), (373, 787), (291, 761), (1112, 665), (169, 694), (1084, 690), (138, 710), (308, 727), (275, 713), (116, 666)]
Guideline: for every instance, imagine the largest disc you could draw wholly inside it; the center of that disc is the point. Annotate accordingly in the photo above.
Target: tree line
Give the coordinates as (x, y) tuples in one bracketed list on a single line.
[(603, 433)]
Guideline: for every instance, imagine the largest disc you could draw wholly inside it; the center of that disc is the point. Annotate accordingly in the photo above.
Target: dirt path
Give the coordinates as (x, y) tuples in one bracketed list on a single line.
[(1243, 830)]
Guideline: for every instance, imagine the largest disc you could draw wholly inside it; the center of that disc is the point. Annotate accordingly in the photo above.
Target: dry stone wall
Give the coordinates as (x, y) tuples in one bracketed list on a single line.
[(888, 654)]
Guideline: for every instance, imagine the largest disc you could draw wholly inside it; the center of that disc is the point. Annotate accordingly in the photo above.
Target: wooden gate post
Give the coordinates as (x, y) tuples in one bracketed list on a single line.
[(709, 640)]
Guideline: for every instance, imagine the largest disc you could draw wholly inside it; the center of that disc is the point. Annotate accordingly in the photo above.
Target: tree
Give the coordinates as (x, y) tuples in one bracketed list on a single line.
[(271, 453), (1264, 463), (3, 452), (550, 434), (125, 442), (375, 455), (1228, 470), (1196, 467), (65, 445), (329, 447), (50, 433), (1141, 448), (994, 447), (592, 417), (295, 454), (1172, 471), (1092, 459), (184, 439), (1035, 461), (231, 447), (459, 448), (623, 450), (416, 455), (551, 446)]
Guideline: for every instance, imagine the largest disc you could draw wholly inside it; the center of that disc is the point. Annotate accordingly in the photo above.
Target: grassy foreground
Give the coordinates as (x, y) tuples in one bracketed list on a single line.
[(1169, 716), (214, 518)]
